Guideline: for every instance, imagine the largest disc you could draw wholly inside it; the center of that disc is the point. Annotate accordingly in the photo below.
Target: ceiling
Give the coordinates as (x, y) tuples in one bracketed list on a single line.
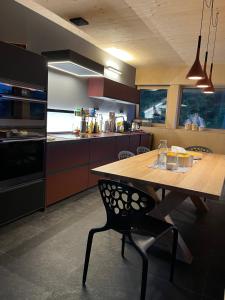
[(152, 31)]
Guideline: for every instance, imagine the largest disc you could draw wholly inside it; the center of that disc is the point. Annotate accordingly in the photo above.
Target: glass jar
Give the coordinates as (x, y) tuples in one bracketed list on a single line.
[(171, 161), (162, 152)]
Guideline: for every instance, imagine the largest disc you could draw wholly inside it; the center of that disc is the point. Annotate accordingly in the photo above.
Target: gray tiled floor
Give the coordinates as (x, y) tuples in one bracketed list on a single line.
[(41, 256)]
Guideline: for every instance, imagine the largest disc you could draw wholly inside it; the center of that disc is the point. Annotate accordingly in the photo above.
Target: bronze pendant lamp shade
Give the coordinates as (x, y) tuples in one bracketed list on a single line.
[(204, 83), (210, 89), (196, 71)]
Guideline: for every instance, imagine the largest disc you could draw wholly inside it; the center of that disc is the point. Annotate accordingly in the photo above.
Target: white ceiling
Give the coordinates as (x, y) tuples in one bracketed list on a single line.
[(152, 31)]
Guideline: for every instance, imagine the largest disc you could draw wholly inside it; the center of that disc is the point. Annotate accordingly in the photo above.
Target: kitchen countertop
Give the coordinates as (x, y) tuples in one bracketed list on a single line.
[(64, 137)]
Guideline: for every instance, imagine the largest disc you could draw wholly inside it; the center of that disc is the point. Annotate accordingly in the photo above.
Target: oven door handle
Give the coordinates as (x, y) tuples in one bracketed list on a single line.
[(10, 97), (23, 140)]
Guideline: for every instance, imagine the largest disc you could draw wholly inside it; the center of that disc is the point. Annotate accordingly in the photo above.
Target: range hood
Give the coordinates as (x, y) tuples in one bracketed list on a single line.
[(73, 63), (109, 90)]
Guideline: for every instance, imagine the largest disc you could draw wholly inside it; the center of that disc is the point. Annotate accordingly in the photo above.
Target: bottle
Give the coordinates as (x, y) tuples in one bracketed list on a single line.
[(95, 127), (162, 152), (83, 122), (91, 127)]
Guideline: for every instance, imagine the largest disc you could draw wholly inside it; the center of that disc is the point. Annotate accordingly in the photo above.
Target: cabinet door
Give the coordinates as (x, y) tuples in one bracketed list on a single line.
[(93, 179), (146, 140), (122, 143), (19, 66), (102, 149), (19, 201), (65, 155), (134, 143), (64, 184)]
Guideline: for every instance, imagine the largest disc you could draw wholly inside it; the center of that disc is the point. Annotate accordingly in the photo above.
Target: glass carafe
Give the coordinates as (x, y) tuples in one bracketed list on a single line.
[(162, 152)]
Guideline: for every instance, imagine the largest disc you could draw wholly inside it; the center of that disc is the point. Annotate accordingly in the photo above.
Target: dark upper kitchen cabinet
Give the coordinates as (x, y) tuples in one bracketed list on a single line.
[(104, 88), (21, 67)]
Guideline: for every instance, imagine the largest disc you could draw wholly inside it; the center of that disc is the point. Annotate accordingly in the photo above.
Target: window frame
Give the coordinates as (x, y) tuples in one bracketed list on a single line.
[(179, 109), (153, 87)]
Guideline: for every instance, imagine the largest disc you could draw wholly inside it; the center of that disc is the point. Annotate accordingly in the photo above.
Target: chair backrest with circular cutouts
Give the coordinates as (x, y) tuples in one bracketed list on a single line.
[(199, 149), (142, 149), (124, 204), (125, 154)]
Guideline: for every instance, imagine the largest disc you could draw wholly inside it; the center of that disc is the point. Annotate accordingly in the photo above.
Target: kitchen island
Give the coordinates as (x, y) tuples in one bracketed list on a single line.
[(70, 159)]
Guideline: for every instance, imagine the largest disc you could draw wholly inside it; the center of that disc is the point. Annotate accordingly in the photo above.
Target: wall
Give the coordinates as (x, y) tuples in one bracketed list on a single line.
[(68, 92), (174, 77), (22, 25), (214, 140)]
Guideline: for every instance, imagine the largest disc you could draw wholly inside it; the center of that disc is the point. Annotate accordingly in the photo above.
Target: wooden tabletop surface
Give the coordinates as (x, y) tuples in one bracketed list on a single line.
[(206, 177)]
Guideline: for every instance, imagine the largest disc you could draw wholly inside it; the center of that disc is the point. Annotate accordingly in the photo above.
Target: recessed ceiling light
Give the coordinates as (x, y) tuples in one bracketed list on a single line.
[(121, 54)]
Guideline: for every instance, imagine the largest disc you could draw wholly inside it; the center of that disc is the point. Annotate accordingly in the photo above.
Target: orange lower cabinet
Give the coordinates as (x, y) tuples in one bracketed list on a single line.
[(66, 183)]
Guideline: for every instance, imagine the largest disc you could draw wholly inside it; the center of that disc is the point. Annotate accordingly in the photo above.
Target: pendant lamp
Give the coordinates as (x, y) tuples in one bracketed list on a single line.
[(196, 72), (211, 89), (205, 83)]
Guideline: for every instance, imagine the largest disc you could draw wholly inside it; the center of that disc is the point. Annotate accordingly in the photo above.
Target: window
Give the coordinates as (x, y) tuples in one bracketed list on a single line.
[(153, 105), (202, 109)]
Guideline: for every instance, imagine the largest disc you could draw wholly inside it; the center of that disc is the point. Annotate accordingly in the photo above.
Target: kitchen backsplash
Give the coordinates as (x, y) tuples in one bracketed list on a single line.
[(68, 92)]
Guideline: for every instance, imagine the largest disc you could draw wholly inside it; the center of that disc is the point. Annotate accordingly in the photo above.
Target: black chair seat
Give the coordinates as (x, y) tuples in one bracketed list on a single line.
[(127, 211), (150, 226)]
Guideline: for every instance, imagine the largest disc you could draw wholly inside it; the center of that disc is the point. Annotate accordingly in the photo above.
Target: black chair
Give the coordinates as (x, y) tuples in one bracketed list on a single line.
[(199, 149), (125, 154), (142, 149), (127, 213)]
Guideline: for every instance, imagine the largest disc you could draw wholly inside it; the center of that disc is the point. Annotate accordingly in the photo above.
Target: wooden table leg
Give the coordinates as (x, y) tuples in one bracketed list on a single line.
[(161, 211), (199, 204)]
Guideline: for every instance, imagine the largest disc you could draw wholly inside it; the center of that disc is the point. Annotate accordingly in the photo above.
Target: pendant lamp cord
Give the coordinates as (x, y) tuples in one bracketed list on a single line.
[(203, 6), (210, 22), (214, 46)]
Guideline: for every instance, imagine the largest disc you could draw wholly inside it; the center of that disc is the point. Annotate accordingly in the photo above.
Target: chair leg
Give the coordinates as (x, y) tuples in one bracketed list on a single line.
[(123, 245), (88, 250), (144, 268), (163, 193), (174, 252)]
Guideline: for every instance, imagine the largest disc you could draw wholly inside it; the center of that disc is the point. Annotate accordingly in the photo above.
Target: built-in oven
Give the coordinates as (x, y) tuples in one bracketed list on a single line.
[(21, 161), (22, 134), (22, 108)]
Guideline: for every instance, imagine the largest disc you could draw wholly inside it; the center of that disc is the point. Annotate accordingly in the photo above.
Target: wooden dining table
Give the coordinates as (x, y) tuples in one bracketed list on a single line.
[(204, 180)]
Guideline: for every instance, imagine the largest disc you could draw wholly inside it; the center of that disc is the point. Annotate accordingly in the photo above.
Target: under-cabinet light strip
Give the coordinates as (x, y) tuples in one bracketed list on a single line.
[(73, 73)]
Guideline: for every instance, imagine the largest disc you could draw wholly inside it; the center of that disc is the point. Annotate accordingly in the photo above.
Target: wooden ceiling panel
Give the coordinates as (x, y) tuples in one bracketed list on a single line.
[(152, 31)]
